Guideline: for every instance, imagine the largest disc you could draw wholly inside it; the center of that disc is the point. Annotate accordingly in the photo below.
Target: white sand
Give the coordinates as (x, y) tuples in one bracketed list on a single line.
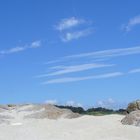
[(83, 128)]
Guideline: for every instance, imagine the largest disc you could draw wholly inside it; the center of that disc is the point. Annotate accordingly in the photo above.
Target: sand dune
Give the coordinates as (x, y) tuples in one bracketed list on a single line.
[(82, 128)]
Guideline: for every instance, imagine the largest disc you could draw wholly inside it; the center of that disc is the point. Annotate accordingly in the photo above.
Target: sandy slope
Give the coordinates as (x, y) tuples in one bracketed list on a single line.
[(83, 128)]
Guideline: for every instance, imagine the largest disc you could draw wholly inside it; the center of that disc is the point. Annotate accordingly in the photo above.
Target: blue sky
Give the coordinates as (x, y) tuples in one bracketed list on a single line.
[(75, 52)]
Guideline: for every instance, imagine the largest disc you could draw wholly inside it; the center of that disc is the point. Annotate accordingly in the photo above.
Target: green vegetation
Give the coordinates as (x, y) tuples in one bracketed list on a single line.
[(11, 105), (99, 111)]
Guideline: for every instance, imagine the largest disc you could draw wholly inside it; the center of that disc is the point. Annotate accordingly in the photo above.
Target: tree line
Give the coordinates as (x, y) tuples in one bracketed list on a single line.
[(93, 111)]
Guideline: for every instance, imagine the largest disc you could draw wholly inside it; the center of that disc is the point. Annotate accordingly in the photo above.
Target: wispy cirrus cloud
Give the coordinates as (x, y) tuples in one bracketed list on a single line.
[(68, 23), (136, 70), (109, 53), (99, 76), (12, 50), (35, 44), (76, 35), (75, 68), (99, 55), (131, 23), (74, 79), (89, 61)]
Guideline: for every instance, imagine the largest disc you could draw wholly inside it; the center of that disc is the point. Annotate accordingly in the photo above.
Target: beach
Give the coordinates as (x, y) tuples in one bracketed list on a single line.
[(107, 127)]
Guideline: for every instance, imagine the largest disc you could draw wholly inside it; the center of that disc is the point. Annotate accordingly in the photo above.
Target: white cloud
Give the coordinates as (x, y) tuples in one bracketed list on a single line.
[(110, 100), (75, 68), (100, 103), (132, 22), (76, 35), (69, 33), (74, 79), (68, 103), (52, 102), (69, 23), (32, 45), (36, 44), (109, 103), (135, 71), (74, 104)]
